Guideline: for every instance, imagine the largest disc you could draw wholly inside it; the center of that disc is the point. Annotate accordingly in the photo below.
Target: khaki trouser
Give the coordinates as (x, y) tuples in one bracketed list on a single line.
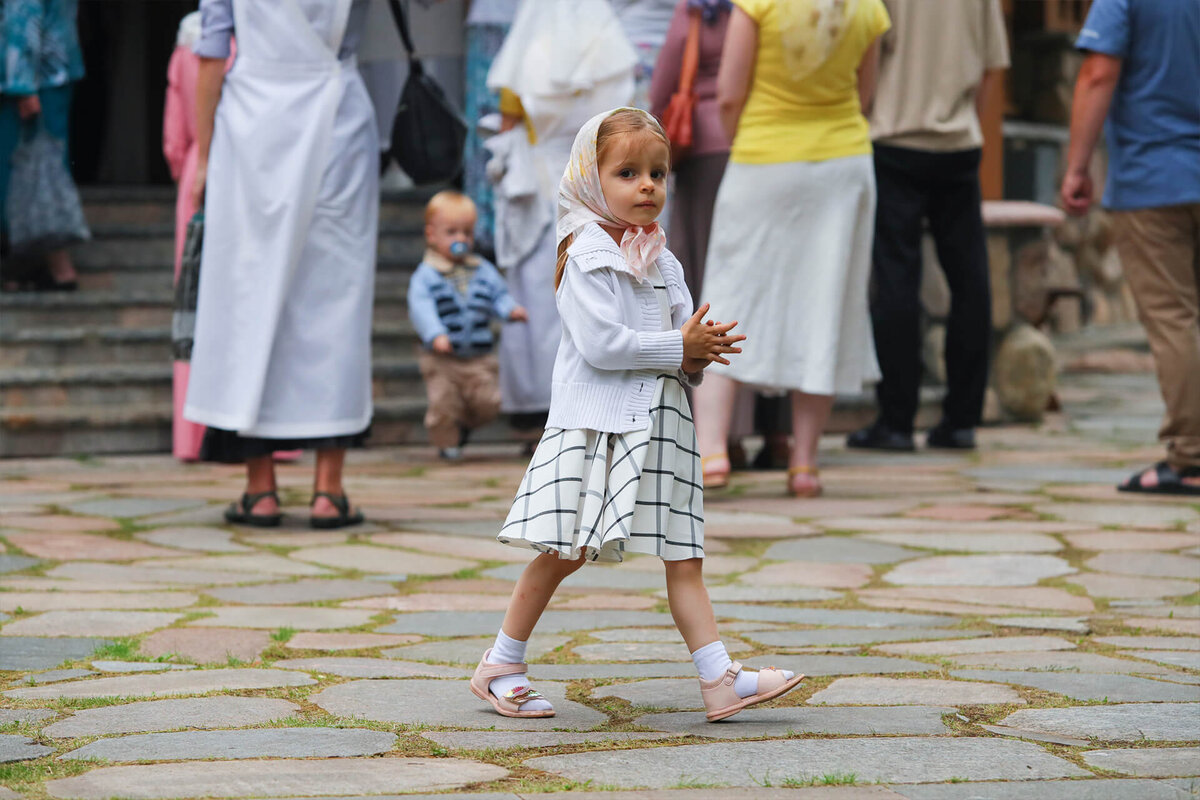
[(463, 393), (1160, 251)]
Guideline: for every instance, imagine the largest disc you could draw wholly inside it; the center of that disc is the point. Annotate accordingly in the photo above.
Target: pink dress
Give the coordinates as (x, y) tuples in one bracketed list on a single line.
[(179, 148)]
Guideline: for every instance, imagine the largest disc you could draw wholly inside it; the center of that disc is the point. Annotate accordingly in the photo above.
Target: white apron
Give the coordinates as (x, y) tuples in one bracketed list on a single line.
[(283, 325)]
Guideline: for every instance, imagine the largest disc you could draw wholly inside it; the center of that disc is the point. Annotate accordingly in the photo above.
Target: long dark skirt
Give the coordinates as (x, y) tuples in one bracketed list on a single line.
[(227, 447)]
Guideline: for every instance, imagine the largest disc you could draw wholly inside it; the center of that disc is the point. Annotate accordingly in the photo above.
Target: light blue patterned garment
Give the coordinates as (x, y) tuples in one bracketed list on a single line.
[(40, 45)]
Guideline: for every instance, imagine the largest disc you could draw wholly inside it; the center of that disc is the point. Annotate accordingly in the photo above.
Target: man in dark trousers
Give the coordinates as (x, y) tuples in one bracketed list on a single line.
[(1142, 73), (939, 62)]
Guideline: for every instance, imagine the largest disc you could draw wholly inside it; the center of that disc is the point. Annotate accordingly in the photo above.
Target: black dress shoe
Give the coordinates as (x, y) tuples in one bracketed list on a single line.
[(943, 437), (879, 436)]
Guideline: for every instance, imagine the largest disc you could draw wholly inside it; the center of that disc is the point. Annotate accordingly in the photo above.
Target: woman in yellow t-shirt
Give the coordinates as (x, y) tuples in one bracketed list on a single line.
[(790, 252)]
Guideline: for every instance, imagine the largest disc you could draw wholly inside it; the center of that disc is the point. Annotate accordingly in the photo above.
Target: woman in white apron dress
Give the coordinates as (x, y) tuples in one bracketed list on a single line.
[(563, 62), (282, 355)]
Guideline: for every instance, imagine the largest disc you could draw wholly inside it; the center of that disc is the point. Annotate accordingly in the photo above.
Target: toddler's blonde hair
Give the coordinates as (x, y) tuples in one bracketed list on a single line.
[(448, 200), (619, 123)]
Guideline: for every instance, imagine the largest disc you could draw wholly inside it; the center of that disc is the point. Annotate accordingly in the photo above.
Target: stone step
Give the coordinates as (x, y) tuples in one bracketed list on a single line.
[(54, 347), (146, 428), (139, 308), (141, 384)]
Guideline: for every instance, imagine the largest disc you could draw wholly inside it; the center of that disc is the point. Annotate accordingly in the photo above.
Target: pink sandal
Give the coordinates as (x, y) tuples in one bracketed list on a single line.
[(509, 704), (721, 701)]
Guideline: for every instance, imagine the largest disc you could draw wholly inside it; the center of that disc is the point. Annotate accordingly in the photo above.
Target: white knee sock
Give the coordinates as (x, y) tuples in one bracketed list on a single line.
[(508, 650), (712, 661)]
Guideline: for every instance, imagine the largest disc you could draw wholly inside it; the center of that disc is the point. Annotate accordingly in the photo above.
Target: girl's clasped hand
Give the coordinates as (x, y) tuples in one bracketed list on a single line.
[(707, 341)]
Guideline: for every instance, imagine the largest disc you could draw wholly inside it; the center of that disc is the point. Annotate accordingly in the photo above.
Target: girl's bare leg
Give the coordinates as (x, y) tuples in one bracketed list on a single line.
[(690, 606), (533, 591)]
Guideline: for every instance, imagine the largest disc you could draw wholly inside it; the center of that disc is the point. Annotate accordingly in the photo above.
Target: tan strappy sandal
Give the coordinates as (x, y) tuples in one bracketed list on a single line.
[(721, 701), (715, 478), (509, 704), (811, 491)]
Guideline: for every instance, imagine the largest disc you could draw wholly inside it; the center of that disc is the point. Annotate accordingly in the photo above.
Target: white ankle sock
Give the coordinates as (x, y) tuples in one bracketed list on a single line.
[(508, 650), (712, 661)]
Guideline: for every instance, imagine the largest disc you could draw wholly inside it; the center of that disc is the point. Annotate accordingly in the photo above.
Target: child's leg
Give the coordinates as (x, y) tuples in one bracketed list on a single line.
[(693, 615), (445, 399), (533, 591), (481, 391)]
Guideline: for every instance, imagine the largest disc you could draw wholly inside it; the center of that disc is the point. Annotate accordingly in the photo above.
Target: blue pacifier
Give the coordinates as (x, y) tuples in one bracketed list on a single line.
[(459, 249)]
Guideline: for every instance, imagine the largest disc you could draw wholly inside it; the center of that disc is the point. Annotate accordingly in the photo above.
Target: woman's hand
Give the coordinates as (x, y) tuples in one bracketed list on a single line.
[(707, 342), (198, 182), (29, 106)]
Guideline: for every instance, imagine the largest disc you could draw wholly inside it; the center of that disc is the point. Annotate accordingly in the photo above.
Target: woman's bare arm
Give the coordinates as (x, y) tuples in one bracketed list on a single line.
[(737, 69), (209, 80), (868, 76)]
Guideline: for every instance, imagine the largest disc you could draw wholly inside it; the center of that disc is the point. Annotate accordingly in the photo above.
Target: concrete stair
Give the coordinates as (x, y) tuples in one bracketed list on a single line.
[(90, 372)]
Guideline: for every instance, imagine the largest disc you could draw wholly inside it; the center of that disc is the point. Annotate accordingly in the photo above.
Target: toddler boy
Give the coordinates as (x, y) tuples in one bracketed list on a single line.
[(452, 298)]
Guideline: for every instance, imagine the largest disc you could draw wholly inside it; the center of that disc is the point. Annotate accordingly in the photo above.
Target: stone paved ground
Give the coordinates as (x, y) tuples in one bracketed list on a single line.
[(971, 624)]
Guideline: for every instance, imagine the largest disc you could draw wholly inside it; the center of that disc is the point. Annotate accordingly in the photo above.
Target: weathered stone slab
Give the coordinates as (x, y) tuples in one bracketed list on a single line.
[(1090, 686), (448, 623), (889, 760), (205, 540), (912, 691), (997, 570), (20, 748), (501, 740), (1125, 514), (282, 778), (812, 573), (1101, 584), (673, 693), (1155, 565), (430, 601), (644, 651), (29, 653), (167, 683), (94, 623), (139, 666), (721, 524), (773, 722), (197, 713), (206, 646), (126, 575), (56, 675), (822, 637), (593, 576), (1058, 790), (1186, 626), (366, 558), (24, 715), (1185, 659), (67, 546), (1059, 662), (449, 703), (575, 672), (347, 641), (254, 743), (971, 542), (910, 525), (63, 601), (261, 564), (745, 593), (986, 644), (302, 591), (1159, 722), (1049, 738), (349, 667), (667, 635), (131, 506), (1152, 642), (1148, 762), (272, 617), (603, 601), (1033, 597), (470, 650), (825, 616), (11, 563), (1129, 540), (1048, 473), (1065, 624), (58, 523), (838, 550), (472, 548)]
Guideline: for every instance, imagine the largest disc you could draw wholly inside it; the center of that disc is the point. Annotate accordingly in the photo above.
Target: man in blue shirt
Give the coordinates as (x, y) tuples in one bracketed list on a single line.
[(1142, 73)]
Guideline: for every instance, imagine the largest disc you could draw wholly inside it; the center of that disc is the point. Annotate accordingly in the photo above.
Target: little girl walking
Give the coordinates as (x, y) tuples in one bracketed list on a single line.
[(618, 469)]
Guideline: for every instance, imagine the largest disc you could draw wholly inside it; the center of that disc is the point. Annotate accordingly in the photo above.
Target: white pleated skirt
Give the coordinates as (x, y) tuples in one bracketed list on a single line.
[(790, 260), (599, 495)]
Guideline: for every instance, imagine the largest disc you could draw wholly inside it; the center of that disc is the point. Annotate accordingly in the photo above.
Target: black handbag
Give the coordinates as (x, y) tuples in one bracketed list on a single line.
[(429, 133), (187, 288)]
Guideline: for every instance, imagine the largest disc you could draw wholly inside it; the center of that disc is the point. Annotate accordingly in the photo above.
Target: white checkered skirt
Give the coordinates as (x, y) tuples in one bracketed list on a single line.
[(600, 495)]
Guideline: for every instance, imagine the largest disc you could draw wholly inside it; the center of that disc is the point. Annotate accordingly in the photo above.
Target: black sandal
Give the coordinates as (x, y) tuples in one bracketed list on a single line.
[(240, 512), (344, 519), (1170, 481)]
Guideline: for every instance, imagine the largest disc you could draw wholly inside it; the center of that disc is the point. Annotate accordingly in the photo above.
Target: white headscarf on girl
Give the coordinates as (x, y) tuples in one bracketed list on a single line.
[(581, 199)]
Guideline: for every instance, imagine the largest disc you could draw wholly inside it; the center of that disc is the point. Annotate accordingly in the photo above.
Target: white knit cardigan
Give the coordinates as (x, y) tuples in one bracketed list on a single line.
[(613, 344)]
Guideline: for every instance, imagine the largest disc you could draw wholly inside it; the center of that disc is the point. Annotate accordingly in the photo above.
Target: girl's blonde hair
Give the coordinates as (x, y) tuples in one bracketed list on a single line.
[(619, 123)]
